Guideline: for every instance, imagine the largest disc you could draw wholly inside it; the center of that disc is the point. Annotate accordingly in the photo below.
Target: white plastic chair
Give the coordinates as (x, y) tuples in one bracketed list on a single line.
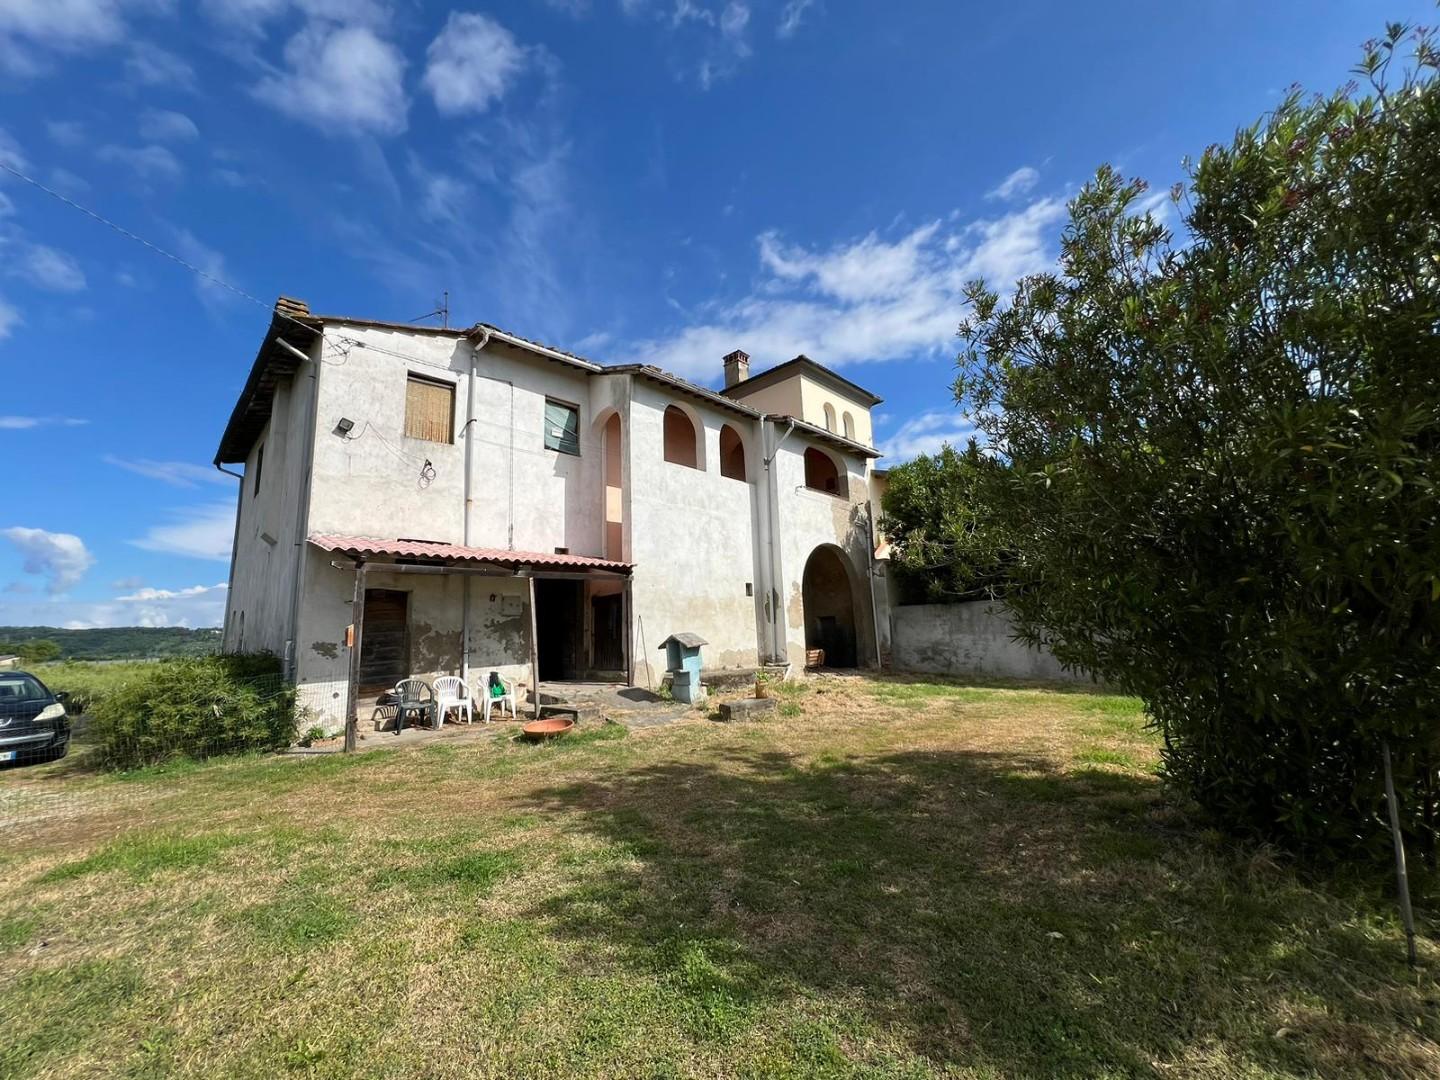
[(488, 700), (452, 693)]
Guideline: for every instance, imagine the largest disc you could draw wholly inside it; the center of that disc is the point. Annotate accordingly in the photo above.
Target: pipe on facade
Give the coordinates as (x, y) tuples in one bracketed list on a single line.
[(778, 650), (479, 338), (302, 524)]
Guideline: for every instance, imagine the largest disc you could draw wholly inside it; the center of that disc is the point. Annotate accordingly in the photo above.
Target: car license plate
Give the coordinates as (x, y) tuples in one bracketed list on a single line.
[(7, 755)]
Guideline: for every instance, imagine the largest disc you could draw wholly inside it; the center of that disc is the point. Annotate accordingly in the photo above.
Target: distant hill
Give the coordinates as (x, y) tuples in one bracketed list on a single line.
[(116, 642)]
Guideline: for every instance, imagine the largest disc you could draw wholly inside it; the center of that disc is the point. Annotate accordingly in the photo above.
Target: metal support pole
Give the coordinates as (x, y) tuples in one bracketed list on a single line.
[(534, 654), (629, 632), (357, 629)]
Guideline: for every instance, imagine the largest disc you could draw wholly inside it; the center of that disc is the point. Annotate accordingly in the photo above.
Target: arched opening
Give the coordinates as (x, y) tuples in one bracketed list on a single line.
[(829, 417), (610, 441), (680, 441), (828, 596), (821, 472), (732, 453), (849, 426)]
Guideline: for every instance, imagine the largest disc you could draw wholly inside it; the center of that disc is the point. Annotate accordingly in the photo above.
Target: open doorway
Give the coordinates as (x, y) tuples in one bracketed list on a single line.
[(559, 625), (828, 597)]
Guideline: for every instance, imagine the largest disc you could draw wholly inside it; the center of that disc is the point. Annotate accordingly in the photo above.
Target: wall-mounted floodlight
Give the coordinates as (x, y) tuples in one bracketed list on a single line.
[(345, 426)]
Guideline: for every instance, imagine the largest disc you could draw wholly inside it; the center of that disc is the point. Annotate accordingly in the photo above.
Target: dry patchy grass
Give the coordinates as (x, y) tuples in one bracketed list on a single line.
[(893, 878)]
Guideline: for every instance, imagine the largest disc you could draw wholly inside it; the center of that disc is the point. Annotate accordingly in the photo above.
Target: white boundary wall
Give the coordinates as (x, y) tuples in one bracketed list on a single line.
[(970, 638)]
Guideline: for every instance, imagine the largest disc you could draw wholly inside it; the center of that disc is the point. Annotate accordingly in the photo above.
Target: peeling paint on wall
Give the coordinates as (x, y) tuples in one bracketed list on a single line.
[(327, 649)]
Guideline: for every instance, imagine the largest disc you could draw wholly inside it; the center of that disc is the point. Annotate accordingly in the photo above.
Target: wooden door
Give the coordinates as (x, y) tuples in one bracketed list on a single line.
[(608, 635), (385, 642)]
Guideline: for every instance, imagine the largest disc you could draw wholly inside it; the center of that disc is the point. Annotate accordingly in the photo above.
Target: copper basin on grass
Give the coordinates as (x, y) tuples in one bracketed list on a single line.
[(548, 728)]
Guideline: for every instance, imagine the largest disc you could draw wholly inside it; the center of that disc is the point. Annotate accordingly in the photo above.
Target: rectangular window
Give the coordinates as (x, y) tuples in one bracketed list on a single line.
[(562, 427), (429, 409), (259, 464)]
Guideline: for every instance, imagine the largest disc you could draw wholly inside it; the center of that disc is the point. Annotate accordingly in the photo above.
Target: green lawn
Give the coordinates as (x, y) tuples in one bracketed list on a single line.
[(895, 879)]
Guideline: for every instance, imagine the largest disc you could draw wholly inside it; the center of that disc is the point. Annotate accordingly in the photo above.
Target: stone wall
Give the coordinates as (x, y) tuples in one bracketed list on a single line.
[(972, 638)]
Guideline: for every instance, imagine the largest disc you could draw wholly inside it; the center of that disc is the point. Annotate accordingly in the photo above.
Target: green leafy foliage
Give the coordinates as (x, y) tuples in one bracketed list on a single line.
[(110, 642), (32, 650), (195, 709), (1223, 489), (946, 547)]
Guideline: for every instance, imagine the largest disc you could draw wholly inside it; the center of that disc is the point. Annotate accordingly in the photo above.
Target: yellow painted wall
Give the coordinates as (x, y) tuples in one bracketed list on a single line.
[(815, 396)]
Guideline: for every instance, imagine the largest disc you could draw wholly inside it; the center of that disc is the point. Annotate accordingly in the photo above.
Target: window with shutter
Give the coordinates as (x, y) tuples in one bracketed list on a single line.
[(562, 427), (429, 409)]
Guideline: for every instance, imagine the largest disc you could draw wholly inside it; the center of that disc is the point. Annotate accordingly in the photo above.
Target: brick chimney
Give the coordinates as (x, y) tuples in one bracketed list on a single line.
[(737, 368)]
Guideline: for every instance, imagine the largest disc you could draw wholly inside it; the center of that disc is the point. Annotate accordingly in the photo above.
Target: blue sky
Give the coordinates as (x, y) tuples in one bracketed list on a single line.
[(656, 180)]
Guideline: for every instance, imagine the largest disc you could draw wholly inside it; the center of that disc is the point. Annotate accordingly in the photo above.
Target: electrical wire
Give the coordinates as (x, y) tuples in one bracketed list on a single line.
[(155, 248)]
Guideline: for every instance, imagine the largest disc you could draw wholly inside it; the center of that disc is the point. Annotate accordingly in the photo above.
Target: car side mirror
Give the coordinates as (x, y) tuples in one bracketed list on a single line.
[(63, 696)]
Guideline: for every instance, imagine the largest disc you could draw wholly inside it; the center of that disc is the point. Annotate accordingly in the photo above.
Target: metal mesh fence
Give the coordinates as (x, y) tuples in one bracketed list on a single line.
[(134, 728)]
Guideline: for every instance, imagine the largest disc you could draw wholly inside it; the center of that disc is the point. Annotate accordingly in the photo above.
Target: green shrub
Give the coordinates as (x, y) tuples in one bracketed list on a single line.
[(1222, 496), (87, 682), (195, 708)]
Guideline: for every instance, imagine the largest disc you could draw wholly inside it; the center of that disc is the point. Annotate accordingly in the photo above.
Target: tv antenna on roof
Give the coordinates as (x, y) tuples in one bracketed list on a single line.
[(442, 309)]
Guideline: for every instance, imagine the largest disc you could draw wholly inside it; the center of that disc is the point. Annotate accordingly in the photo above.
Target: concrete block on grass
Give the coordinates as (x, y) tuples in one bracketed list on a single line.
[(748, 709)]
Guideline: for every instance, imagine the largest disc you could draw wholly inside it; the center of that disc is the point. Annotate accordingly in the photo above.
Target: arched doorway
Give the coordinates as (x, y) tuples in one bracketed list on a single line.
[(828, 596)]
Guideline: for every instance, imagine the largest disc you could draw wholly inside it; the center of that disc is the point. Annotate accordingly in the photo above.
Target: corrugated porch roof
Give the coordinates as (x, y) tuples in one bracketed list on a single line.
[(367, 547)]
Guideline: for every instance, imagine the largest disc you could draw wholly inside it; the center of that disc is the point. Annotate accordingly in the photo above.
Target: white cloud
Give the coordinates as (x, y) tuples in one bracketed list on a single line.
[(62, 558), (25, 423), (791, 16), (866, 269), (1017, 183), (68, 133), (205, 532), (871, 299), (183, 474), (151, 595), (9, 319), (734, 18), (33, 31), (150, 65), (6, 206), (50, 269), (127, 584), (63, 24), (251, 17), (341, 79), (10, 152), (151, 162), (208, 261), (163, 125), (65, 180), (926, 434), (471, 64), (442, 197), (197, 606)]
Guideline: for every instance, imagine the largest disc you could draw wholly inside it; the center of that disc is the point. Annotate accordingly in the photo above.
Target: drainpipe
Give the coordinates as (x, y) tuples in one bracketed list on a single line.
[(870, 580), (302, 521), (234, 546), (774, 600), (479, 338)]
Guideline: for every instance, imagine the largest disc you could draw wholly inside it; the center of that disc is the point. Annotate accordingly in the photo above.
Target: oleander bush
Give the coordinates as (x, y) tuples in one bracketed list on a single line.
[(195, 708)]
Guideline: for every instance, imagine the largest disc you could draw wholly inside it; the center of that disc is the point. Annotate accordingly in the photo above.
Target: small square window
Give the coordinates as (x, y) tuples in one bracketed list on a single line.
[(562, 427)]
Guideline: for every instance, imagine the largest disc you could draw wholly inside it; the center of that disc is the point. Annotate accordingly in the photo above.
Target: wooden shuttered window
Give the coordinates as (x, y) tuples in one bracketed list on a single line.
[(429, 409), (562, 427)]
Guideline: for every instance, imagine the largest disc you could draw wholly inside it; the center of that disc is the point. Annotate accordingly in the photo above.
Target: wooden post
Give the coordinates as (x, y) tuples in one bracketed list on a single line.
[(357, 629), (534, 652), (1402, 879)]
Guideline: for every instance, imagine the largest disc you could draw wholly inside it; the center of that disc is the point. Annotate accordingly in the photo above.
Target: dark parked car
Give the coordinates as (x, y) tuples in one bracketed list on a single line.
[(33, 722)]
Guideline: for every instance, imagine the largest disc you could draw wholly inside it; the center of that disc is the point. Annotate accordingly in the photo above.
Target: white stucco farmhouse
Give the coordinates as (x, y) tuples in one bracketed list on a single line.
[(419, 501)]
